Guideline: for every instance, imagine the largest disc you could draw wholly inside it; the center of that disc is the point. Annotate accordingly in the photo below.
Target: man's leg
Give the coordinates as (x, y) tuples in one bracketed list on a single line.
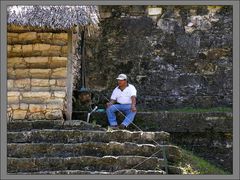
[(111, 114), (129, 114)]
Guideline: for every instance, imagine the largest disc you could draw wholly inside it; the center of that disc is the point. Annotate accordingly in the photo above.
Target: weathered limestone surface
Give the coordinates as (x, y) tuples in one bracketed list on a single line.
[(86, 149), (37, 64), (19, 114), (78, 147), (59, 73), (37, 37), (182, 58)]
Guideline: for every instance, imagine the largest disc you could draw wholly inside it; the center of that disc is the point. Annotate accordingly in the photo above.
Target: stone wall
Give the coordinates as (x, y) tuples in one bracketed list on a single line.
[(176, 56), (36, 75)]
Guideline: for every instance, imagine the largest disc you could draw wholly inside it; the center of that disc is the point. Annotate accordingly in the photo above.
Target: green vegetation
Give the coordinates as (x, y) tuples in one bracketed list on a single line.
[(192, 164), (191, 109)]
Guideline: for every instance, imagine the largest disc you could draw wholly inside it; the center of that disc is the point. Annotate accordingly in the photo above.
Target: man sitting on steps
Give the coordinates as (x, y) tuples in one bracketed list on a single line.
[(123, 99)]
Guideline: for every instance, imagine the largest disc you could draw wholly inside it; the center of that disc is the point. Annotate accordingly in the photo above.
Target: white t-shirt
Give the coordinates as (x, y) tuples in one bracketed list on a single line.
[(124, 97)]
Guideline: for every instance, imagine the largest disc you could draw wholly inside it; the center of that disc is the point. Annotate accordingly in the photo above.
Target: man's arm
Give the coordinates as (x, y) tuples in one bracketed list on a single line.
[(133, 105), (113, 99)]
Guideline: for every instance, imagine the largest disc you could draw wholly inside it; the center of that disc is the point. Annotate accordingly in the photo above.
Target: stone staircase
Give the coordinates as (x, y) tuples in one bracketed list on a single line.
[(77, 147)]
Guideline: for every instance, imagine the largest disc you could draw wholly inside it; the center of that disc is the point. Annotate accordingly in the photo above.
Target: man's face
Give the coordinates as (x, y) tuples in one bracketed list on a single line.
[(122, 83)]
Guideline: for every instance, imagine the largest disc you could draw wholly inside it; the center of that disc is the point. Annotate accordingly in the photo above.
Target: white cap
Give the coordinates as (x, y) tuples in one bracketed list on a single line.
[(122, 77)]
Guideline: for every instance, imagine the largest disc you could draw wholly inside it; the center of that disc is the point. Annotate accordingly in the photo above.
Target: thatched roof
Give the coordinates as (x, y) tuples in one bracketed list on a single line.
[(54, 17)]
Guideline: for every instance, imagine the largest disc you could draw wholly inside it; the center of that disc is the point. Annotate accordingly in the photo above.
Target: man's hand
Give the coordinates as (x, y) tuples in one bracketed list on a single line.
[(133, 108)]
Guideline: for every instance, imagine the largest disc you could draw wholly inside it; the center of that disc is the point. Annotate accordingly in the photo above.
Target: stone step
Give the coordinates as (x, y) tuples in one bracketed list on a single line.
[(24, 125), (166, 121), (79, 172), (88, 163), (79, 136), (35, 150)]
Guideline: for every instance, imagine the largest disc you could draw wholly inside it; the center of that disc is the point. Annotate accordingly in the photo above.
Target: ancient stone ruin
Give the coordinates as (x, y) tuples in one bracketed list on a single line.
[(77, 147), (37, 74), (176, 56)]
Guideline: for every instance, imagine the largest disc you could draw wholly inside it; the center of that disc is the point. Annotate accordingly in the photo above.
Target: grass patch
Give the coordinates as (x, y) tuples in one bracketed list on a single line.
[(192, 164), (191, 109)]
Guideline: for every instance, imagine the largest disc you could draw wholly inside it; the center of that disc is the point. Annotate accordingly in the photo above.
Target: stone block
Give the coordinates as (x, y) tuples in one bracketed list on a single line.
[(60, 36), (10, 73), (64, 49), (28, 36), (55, 48), (12, 35), (19, 114), (13, 93), (37, 107), (11, 40), (27, 48), (24, 163), (24, 106), (16, 62), (22, 73), (54, 114), (44, 95), (22, 83), (14, 106), (59, 73), (59, 59), (54, 101), (57, 62), (61, 82), (37, 89), (51, 53), (17, 48), (40, 82), (40, 73), (55, 106), (59, 94), (44, 36), (36, 116), (29, 100), (52, 82), (41, 47), (57, 88), (10, 84), (34, 53), (153, 11), (59, 42), (37, 62)]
